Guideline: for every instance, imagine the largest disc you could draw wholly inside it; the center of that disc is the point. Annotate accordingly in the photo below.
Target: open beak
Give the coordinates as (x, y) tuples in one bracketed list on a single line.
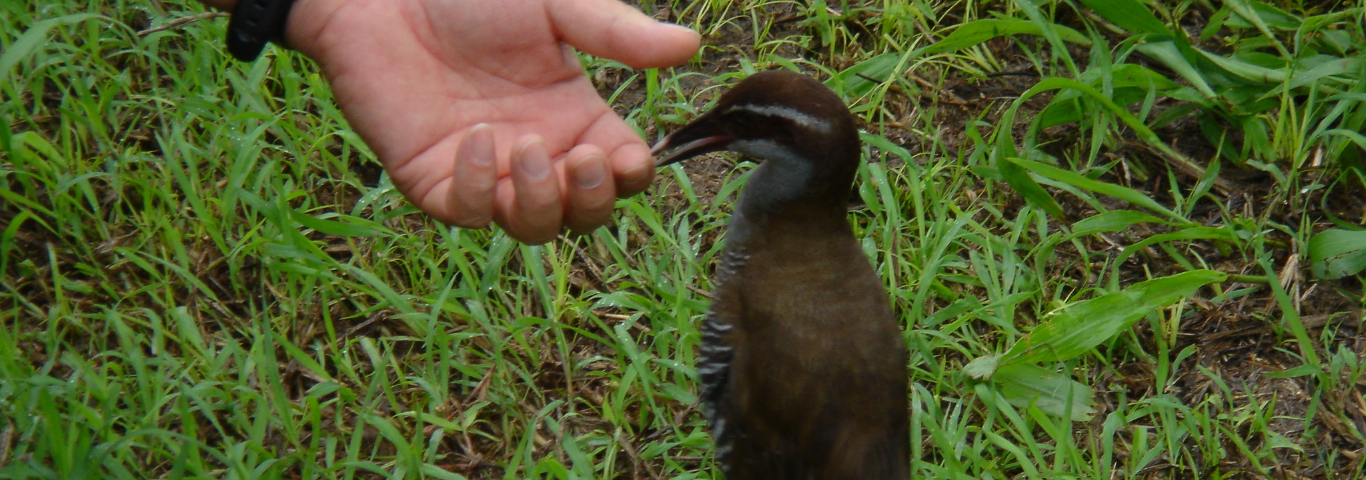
[(690, 141)]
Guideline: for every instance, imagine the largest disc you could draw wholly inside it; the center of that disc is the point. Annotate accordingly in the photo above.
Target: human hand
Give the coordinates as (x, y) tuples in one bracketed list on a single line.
[(478, 109)]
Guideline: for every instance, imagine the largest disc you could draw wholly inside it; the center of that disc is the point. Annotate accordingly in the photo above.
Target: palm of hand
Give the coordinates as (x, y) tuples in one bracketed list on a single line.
[(414, 77)]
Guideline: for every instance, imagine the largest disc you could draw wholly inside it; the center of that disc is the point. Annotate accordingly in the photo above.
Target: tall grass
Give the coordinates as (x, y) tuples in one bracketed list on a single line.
[(1151, 216)]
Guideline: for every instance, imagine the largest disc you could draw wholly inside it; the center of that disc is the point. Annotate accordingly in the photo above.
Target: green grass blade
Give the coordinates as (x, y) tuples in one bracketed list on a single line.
[(34, 38), (1130, 15), (974, 33), (1082, 326), (1123, 193), (1019, 180)]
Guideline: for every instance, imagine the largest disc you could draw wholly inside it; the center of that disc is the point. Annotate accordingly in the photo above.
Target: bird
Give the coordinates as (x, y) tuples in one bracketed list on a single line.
[(802, 366)]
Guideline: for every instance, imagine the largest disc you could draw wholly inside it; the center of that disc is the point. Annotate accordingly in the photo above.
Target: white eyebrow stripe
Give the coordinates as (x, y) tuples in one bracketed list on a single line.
[(787, 113)]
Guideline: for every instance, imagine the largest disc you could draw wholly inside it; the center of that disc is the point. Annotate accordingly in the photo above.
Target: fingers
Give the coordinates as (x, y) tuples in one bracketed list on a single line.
[(591, 190), (628, 156), (540, 197), (612, 29), (469, 200), (633, 167), (532, 210)]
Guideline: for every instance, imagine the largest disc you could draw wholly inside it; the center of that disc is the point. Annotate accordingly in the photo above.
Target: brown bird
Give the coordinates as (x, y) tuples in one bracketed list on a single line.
[(802, 363)]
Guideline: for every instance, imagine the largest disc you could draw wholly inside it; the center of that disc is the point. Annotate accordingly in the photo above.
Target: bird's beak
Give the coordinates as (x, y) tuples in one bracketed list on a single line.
[(692, 140)]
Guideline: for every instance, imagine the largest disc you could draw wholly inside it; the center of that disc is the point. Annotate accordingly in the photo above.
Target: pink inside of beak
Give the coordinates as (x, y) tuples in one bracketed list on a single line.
[(689, 150)]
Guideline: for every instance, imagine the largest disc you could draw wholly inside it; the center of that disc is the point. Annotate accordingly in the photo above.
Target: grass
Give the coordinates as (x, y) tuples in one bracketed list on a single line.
[(204, 273)]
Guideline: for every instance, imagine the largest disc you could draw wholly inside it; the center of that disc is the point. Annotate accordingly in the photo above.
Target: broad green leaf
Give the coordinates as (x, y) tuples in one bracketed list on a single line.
[(295, 245), (1131, 83), (42, 150), (1123, 193), (1251, 13), (1023, 385), (1191, 233), (1129, 15), (1322, 72), (976, 32), (1019, 180), (1005, 148), (34, 38), (860, 78), (1337, 253), (551, 468), (432, 471), (1112, 221), (1326, 35), (982, 368), (1068, 109), (304, 360), (1078, 328), (1248, 100), (383, 290), (355, 227), (1170, 54), (1267, 60), (887, 146), (1354, 137), (1216, 23), (1130, 75), (19, 199), (1246, 70)]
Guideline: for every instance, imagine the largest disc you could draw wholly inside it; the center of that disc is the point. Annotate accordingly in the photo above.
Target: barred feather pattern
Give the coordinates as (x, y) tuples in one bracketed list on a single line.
[(714, 358)]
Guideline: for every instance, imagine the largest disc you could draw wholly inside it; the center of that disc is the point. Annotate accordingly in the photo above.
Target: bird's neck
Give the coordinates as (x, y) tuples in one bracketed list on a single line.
[(785, 181), (790, 197)]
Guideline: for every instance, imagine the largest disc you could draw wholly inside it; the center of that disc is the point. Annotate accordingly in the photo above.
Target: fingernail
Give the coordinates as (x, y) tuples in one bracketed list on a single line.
[(481, 145), (535, 162), (591, 171), (678, 27), (636, 175)]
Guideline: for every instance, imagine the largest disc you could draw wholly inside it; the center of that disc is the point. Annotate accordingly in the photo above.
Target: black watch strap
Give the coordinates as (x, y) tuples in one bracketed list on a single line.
[(253, 24)]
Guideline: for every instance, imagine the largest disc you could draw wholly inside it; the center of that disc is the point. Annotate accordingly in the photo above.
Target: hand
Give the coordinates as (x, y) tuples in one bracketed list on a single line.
[(478, 109)]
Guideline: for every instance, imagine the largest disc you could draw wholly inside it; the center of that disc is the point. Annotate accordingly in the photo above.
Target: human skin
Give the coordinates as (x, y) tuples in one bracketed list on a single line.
[(480, 111)]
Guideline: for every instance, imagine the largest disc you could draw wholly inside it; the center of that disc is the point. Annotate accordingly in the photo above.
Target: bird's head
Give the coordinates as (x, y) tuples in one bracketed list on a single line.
[(775, 116)]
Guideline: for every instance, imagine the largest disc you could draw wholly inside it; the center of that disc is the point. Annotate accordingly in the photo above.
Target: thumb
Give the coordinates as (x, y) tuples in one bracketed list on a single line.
[(611, 29)]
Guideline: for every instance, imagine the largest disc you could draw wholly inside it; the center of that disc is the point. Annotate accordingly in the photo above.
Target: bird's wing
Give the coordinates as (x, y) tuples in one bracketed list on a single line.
[(713, 366), (716, 352)]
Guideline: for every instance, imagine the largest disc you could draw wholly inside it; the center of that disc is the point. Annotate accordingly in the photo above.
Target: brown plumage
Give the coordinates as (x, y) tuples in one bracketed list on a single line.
[(802, 362)]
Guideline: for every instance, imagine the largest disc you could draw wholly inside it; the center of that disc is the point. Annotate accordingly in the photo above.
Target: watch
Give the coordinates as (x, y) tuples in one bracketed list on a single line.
[(253, 24)]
